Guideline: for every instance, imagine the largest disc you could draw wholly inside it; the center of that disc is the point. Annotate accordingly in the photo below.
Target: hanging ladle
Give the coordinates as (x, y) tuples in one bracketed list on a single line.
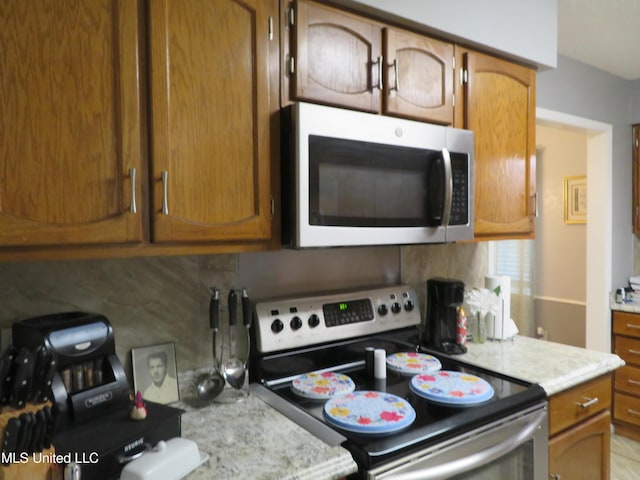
[(233, 369), (213, 383)]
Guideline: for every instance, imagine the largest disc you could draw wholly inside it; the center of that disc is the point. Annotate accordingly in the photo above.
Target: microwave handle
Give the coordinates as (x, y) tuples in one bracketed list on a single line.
[(448, 187)]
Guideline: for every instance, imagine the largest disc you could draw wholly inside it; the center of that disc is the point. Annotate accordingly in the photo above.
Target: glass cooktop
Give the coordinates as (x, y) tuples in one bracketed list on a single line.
[(433, 423)]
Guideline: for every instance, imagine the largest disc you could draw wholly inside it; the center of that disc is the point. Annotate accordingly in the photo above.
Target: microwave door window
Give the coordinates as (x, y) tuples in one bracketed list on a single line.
[(365, 184)]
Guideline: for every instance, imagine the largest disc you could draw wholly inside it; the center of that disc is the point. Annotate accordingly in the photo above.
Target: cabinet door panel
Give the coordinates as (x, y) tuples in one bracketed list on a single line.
[(210, 65), (69, 122), (419, 77), (500, 109), (336, 57), (583, 451)]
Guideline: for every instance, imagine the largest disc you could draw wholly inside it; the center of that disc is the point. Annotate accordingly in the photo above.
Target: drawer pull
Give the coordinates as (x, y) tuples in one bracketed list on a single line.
[(633, 352), (588, 403), (632, 381), (633, 326), (633, 412)]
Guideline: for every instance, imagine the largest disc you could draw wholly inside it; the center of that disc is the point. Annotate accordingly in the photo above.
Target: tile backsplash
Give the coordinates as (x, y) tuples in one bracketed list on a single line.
[(147, 300), (153, 300)]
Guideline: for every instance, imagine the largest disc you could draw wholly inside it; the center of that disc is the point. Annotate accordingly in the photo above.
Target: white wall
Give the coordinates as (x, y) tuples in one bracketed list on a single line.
[(560, 248), (521, 29)]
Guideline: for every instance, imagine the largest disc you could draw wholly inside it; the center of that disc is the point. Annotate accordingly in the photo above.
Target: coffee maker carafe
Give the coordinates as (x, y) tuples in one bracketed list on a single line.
[(444, 296)]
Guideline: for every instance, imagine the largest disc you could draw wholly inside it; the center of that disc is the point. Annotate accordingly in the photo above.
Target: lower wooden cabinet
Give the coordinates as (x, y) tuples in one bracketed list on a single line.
[(626, 342), (582, 451), (580, 431)]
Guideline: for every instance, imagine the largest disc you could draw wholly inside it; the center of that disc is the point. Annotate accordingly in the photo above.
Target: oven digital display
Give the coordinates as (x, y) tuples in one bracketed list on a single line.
[(343, 313)]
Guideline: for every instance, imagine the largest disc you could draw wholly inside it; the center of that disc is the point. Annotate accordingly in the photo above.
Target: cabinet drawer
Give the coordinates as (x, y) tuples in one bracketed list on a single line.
[(627, 379), (628, 349), (627, 409), (626, 324), (578, 403)]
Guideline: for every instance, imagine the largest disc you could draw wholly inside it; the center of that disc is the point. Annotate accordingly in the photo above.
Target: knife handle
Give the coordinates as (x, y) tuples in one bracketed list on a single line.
[(46, 437), (41, 421), (10, 440), (25, 432)]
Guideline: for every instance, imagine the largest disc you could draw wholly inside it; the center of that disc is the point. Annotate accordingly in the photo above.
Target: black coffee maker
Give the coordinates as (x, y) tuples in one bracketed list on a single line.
[(444, 296)]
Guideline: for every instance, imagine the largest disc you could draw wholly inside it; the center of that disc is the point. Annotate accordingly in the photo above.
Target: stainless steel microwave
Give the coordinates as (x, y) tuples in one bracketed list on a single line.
[(353, 178)]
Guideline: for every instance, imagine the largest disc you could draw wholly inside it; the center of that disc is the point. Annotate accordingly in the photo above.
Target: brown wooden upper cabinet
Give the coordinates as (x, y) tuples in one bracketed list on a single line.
[(211, 102), (70, 123), (498, 104), (636, 179), (340, 59), (76, 91)]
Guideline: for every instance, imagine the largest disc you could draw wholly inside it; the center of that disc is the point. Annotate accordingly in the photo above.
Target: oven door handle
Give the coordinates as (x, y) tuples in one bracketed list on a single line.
[(476, 460)]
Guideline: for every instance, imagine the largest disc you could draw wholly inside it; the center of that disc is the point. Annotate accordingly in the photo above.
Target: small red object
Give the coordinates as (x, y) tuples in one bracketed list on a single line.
[(139, 411)]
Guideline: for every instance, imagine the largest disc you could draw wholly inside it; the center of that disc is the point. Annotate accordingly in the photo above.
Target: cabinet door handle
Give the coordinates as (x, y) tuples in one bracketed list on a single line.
[(396, 74), (380, 62), (132, 176), (165, 198), (633, 326), (588, 403), (536, 211)]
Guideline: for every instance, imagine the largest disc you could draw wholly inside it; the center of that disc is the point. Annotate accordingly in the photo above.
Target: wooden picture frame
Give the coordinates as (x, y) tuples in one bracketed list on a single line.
[(155, 373), (575, 199)]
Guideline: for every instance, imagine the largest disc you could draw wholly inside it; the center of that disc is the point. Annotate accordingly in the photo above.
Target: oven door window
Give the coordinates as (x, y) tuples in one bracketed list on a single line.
[(363, 184)]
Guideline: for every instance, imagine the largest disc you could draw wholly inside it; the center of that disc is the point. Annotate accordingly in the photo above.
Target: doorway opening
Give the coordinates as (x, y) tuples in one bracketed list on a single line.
[(578, 313)]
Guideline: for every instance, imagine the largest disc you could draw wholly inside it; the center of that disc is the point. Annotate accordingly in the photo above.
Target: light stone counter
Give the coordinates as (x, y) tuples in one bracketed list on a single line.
[(554, 366), (251, 440), (631, 307)]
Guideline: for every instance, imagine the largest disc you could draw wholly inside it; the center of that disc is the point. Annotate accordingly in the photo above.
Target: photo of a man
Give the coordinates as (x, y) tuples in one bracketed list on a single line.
[(154, 373)]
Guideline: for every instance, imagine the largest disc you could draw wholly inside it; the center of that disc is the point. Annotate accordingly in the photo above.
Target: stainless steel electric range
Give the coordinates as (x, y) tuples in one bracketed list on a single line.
[(499, 434)]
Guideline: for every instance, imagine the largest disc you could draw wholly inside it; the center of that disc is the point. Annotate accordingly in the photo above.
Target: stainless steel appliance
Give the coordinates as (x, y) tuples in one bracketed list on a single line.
[(444, 296), (504, 436), (353, 178)]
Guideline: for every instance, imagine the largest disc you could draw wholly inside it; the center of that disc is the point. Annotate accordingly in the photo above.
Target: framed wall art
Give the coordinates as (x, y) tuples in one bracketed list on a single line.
[(575, 199), (155, 372)]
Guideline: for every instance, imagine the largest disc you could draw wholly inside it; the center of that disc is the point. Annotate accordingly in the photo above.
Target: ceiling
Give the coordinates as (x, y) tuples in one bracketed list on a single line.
[(602, 33)]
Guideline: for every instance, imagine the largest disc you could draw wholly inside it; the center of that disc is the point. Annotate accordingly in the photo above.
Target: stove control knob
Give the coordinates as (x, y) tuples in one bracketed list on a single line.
[(396, 308), (383, 310), (277, 326), (408, 305), (314, 321), (295, 323)]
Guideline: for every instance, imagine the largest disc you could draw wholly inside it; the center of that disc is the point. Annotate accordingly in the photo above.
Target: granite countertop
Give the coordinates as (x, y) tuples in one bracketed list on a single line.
[(554, 366), (249, 439), (631, 307)]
